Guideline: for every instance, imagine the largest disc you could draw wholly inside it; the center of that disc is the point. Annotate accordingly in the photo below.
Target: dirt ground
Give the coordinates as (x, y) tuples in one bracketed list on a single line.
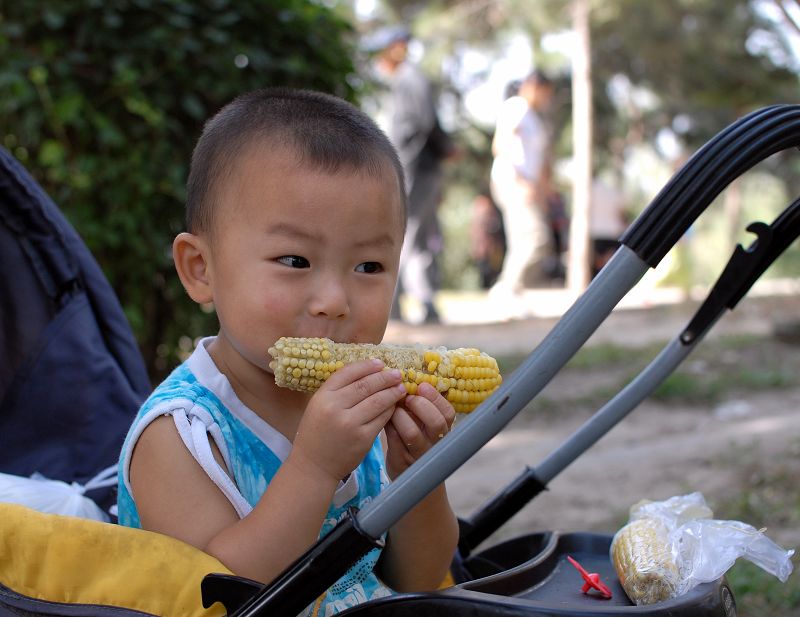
[(662, 448)]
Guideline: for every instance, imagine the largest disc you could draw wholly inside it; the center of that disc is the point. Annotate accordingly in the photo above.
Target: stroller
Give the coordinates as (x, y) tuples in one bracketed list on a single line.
[(526, 575), (70, 364)]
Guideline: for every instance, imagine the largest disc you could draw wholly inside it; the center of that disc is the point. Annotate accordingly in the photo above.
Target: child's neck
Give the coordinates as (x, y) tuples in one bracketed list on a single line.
[(255, 388), (282, 409)]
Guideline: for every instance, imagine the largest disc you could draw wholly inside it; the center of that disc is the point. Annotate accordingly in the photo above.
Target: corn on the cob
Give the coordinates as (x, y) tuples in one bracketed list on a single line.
[(643, 559), (466, 377)]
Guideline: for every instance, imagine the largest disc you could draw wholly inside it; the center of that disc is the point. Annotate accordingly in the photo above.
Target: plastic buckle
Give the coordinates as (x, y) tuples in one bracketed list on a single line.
[(592, 580)]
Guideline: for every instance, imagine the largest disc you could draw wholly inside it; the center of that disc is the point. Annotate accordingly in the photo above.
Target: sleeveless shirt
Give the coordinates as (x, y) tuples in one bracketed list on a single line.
[(204, 407)]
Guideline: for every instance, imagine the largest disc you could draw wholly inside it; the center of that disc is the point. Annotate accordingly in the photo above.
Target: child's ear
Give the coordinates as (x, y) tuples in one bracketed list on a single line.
[(190, 255)]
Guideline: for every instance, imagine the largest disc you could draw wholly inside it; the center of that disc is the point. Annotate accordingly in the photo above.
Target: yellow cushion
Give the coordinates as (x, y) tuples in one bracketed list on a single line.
[(68, 559)]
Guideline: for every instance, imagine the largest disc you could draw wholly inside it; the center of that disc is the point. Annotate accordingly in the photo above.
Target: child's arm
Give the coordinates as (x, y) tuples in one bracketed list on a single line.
[(174, 496), (420, 547)]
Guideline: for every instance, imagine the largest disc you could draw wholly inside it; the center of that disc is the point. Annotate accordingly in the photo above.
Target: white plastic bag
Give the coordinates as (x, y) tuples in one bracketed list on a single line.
[(708, 548), (55, 496), (703, 548)]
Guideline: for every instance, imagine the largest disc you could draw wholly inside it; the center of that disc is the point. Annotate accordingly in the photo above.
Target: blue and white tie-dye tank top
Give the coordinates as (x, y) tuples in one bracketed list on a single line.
[(201, 401)]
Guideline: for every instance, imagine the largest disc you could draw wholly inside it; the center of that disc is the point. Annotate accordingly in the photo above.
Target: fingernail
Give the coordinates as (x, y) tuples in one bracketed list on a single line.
[(377, 362), (395, 373), (402, 389)]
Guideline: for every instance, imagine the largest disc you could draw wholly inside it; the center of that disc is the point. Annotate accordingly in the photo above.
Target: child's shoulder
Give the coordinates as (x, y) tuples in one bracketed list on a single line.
[(180, 384)]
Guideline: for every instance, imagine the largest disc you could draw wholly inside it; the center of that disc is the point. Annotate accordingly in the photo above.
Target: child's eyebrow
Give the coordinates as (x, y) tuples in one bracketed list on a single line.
[(378, 241), (296, 231), (291, 230)]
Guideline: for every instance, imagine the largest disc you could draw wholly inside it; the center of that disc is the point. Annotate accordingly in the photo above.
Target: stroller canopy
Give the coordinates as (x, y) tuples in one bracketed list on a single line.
[(71, 374)]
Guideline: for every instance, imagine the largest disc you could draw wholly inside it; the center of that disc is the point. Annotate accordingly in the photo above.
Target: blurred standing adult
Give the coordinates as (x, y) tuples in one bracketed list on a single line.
[(487, 239), (520, 182), (407, 112), (607, 222)]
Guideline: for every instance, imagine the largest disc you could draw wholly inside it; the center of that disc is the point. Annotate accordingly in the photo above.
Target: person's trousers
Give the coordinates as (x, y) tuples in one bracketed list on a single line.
[(422, 242), (527, 238)]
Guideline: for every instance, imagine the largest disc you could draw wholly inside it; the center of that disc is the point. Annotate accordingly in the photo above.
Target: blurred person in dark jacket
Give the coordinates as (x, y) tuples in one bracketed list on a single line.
[(407, 112)]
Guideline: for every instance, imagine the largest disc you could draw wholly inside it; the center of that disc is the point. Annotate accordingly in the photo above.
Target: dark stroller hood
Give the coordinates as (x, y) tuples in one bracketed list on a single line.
[(71, 374)]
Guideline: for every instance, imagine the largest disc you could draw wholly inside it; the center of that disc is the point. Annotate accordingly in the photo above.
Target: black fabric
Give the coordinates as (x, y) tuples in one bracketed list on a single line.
[(439, 143), (71, 374), (13, 604)]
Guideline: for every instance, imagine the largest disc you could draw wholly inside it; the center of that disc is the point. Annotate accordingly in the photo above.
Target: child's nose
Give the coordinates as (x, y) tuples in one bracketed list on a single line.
[(330, 298)]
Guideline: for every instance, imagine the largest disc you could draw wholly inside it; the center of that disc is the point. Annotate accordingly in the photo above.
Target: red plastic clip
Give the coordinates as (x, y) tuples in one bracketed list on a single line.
[(592, 580)]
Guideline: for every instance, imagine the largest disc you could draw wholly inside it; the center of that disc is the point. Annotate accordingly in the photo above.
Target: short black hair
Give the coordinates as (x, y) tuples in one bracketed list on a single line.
[(326, 133)]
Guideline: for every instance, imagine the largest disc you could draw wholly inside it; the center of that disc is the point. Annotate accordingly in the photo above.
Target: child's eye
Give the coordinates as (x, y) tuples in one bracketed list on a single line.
[(294, 261), (369, 267)]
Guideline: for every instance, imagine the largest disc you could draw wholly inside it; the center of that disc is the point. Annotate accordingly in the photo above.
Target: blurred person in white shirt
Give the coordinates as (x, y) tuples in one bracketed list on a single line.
[(520, 183)]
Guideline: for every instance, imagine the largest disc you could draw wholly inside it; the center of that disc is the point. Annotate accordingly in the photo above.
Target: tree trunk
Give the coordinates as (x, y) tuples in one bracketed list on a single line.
[(578, 265)]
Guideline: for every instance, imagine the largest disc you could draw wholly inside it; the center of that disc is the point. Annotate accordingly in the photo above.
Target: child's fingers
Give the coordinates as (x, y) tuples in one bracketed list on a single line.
[(375, 394), (380, 415), (366, 381), (410, 431), (397, 448), (393, 439), (432, 410), (434, 396)]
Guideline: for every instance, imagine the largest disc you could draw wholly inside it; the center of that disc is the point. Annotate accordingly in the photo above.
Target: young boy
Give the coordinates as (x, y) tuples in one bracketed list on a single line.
[(295, 217)]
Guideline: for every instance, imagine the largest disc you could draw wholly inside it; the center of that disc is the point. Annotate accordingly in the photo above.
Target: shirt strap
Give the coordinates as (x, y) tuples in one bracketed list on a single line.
[(194, 428)]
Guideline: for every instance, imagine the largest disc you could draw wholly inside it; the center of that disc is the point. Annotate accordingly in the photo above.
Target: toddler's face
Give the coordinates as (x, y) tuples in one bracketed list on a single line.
[(301, 252)]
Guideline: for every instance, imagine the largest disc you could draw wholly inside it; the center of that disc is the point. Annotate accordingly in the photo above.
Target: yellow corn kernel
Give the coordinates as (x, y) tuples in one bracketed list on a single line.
[(644, 562), (466, 377)]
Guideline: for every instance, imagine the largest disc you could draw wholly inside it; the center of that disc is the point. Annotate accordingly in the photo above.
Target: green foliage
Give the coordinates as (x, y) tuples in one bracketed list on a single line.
[(692, 66), (456, 264), (718, 370), (696, 56), (608, 354), (103, 101), (759, 593)]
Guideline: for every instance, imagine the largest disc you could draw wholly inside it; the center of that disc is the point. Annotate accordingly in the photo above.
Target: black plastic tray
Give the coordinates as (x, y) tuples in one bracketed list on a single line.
[(530, 575)]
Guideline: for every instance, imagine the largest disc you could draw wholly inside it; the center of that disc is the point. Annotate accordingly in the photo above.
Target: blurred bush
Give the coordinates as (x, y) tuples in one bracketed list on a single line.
[(103, 101)]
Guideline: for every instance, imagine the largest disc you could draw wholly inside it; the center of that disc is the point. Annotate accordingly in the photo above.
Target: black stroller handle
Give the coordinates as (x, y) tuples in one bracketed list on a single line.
[(742, 145), (726, 156), (745, 267), (741, 272)]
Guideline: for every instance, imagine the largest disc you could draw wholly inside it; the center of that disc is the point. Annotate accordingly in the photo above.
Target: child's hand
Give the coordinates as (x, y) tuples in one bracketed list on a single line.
[(423, 419), (344, 417)]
